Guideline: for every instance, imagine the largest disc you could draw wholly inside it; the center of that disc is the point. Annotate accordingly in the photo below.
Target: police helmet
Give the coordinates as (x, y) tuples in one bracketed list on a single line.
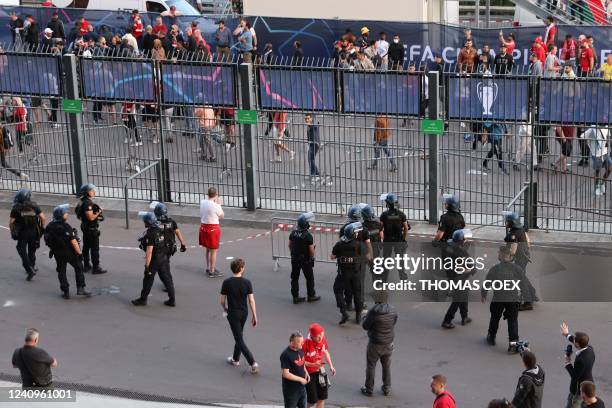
[(351, 231), (451, 202), (354, 213), (86, 188), (60, 211), (460, 236), (367, 213), (512, 218), (23, 195), (390, 200), (159, 209), (303, 221), (147, 217)]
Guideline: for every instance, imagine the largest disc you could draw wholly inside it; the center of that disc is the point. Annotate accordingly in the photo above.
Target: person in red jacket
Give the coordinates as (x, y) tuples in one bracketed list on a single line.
[(550, 36), (586, 60), (539, 50), (84, 26), (137, 28), (444, 399), (569, 50), (510, 42)]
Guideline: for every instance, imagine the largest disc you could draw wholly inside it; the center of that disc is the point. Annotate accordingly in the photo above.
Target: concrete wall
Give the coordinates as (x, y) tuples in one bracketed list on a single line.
[(381, 10)]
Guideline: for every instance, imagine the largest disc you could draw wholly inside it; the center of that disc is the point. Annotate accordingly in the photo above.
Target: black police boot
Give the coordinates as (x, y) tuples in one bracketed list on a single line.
[(139, 302), (490, 340), (345, 317), (98, 271), (448, 325), (313, 298), (466, 320), (512, 349), (298, 299), (349, 307), (358, 317), (170, 302), (83, 292), (366, 392), (86, 267), (526, 306), (386, 391), (66, 294), (30, 275)]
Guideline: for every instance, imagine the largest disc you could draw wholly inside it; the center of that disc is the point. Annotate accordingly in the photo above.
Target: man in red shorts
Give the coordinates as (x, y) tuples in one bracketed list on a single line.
[(210, 232)]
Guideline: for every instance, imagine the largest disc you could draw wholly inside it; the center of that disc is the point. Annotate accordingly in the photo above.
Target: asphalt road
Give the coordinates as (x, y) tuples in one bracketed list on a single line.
[(180, 352)]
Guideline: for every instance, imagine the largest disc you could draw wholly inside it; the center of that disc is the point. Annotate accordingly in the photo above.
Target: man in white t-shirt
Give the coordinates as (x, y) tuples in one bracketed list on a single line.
[(597, 138), (210, 232)]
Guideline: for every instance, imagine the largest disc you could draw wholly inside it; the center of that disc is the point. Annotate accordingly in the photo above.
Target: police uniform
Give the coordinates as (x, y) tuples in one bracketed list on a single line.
[(504, 302), (450, 222), (58, 237), (362, 237), (373, 228), (522, 257), (160, 264), (300, 240), (393, 221), (349, 256), (27, 230), (459, 297), (169, 227), (91, 233)]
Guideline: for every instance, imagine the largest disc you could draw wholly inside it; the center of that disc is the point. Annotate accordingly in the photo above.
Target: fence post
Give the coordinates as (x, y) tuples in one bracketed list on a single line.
[(249, 132), (164, 190), (77, 139), (434, 147), (531, 206)]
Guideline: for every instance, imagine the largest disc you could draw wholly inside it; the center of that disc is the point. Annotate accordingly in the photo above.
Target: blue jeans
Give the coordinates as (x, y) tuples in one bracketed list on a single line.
[(295, 399), (382, 145), (313, 149)]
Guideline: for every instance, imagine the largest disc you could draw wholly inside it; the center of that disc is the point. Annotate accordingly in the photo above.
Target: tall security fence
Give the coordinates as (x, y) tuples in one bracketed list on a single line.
[(308, 135)]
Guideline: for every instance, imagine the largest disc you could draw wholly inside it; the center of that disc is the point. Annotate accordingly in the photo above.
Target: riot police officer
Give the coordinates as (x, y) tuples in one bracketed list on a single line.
[(26, 225), (350, 254), (506, 300), (63, 244), (90, 215), (457, 249), (354, 215), (170, 229), (302, 248), (395, 231), (450, 221), (518, 241), (157, 260)]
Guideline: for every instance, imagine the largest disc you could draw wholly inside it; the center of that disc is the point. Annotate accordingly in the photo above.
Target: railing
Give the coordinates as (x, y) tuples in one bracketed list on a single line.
[(160, 194)]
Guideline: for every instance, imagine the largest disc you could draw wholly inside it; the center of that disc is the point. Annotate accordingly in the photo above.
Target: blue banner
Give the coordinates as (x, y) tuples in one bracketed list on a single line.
[(118, 80), (486, 97), (575, 101), (371, 92), (198, 84), (29, 75), (290, 88)]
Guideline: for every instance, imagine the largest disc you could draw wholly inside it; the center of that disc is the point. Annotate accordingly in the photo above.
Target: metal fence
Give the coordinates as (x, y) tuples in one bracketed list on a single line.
[(324, 137)]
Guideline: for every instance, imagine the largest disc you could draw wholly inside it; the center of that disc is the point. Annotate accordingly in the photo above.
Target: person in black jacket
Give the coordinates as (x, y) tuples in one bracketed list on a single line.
[(57, 26), (530, 385), (298, 54), (26, 224), (396, 54), (582, 369), (16, 26), (32, 33), (457, 249), (380, 324)]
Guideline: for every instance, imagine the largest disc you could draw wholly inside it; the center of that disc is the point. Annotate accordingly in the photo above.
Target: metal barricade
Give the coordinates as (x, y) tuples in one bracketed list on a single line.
[(325, 235)]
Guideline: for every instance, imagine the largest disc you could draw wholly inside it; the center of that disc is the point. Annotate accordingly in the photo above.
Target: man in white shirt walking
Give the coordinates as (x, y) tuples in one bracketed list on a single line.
[(210, 232)]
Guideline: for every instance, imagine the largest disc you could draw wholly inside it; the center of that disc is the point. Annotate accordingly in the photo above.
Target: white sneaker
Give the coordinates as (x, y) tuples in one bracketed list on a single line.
[(276, 160), (227, 147), (138, 143), (255, 368), (603, 188), (292, 155), (126, 140), (315, 180), (230, 361), (156, 140), (24, 177)]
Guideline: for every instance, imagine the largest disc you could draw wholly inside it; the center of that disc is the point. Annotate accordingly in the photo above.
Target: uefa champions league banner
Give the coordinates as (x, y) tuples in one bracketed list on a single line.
[(287, 88), (488, 98), (393, 93), (123, 80), (29, 75), (575, 101), (198, 84)]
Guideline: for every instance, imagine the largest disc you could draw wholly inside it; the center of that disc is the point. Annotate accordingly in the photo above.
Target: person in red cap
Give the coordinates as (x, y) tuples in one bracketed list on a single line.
[(316, 355), (444, 399), (539, 50)]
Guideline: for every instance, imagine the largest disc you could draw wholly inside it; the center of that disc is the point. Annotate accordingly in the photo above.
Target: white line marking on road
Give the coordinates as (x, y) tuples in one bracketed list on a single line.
[(8, 303), (229, 258)]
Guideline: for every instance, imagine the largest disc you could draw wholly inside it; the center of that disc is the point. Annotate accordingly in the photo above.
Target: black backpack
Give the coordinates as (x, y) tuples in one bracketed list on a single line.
[(169, 236), (54, 239)]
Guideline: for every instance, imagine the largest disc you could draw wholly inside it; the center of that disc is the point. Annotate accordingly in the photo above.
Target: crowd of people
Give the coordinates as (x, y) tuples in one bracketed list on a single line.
[(306, 363)]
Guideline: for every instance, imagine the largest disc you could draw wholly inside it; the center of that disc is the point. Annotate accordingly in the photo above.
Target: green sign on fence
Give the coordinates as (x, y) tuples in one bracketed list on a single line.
[(247, 117), (432, 126), (72, 105)]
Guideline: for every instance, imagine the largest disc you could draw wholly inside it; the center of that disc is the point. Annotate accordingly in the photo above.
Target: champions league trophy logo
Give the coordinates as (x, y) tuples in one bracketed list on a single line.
[(487, 93)]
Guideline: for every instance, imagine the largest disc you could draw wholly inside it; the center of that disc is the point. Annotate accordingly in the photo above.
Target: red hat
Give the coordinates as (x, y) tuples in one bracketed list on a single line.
[(315, 329), (538, 39)]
